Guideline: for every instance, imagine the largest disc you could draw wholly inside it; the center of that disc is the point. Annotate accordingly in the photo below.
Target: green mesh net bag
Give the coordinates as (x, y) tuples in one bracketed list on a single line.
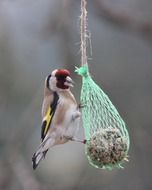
[(107, 138), (105, 131)]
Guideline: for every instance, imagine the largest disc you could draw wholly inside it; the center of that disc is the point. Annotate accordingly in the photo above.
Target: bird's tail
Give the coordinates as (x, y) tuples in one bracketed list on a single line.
[(41, 152), (37, 157)]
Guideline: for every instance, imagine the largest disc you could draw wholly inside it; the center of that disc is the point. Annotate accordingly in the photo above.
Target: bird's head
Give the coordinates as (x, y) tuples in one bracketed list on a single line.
[(59, 79)]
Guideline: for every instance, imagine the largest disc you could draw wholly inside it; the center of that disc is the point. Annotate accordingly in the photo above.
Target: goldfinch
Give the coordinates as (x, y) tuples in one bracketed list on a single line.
[(60, 113)]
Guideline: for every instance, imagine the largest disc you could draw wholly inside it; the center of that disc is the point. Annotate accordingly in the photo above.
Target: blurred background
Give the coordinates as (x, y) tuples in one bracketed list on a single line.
[(39, 36)]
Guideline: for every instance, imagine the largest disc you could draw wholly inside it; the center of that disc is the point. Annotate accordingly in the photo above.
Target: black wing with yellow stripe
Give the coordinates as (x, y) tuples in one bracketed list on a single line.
[(49, 115)]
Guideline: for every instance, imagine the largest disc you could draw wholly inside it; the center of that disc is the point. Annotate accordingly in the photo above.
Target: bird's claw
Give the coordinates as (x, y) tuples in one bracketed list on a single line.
[(81, 105), (84, 141)]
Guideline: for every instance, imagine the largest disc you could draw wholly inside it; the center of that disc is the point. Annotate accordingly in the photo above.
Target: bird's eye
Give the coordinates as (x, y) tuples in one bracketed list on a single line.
[(60, 77)]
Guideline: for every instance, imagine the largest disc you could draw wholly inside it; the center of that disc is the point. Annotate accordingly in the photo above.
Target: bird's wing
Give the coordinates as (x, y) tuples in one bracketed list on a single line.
[(49, 115)]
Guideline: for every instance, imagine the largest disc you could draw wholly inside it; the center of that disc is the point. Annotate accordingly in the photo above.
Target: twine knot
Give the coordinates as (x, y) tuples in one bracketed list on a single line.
[(83, 71)]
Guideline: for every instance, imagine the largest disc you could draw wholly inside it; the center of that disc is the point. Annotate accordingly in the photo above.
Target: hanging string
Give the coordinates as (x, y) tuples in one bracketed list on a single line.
[(83, 30)]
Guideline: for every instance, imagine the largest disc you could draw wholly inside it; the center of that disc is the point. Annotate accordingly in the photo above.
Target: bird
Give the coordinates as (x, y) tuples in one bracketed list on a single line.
[(60, 113)]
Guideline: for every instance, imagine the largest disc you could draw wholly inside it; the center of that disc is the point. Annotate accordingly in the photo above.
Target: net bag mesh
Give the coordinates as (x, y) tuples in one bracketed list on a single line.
[(105, 131)]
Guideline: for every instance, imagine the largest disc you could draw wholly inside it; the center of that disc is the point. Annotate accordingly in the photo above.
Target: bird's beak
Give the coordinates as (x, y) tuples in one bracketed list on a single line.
[(69, 82)]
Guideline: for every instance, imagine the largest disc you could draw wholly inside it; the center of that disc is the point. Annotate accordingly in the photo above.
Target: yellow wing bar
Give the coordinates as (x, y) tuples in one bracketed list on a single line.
[(48, 118)]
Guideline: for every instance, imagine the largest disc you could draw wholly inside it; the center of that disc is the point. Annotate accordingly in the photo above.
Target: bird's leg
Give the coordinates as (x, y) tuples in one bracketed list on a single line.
[(78, 140), (70, 138)]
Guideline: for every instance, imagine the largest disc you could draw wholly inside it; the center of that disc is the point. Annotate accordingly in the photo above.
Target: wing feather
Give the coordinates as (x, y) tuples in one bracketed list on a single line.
[(47, 120)]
